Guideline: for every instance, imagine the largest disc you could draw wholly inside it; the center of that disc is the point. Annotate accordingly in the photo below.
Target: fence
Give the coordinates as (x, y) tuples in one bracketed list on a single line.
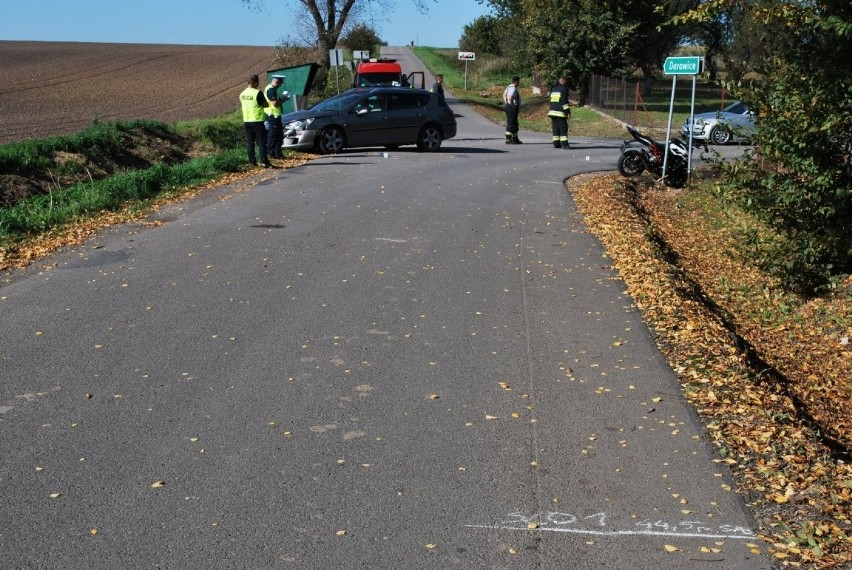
[(622, 99)]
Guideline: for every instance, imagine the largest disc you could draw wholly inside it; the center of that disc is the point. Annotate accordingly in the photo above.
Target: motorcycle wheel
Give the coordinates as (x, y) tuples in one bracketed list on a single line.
[(631, 163)]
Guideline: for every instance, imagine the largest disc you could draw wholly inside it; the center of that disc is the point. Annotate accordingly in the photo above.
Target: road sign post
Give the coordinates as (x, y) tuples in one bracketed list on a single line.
[(335, 57), (466, 56), (674, 66)]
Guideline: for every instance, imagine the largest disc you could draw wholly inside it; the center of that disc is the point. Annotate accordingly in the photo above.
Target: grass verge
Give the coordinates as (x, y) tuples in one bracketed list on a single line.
[(109, 172)]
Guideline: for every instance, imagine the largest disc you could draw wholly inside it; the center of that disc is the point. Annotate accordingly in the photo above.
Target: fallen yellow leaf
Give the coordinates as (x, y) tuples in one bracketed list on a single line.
[(670, 548)]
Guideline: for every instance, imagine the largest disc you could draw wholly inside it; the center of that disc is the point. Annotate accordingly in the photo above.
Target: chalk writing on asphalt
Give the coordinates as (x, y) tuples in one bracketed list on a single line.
[(599, 524)]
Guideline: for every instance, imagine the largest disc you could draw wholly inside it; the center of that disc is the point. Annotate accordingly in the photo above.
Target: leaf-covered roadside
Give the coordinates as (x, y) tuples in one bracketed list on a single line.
[(799, 488), (78, 230)]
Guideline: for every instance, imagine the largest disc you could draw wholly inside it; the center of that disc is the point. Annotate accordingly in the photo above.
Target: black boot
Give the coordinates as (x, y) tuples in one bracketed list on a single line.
[(565, 145)]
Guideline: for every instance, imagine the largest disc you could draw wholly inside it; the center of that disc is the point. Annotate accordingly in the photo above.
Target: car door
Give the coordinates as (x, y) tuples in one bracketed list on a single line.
[(367, 120), (405, 117), (741, 121)]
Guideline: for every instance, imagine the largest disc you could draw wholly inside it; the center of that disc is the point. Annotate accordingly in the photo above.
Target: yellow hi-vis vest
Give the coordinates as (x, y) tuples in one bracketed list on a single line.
[(252, 112), (559, 107), (272, 110)]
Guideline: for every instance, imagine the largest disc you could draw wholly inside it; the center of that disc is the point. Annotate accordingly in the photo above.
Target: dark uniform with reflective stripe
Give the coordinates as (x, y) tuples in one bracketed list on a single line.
[(559, 113), (274, 134), (512, 102)]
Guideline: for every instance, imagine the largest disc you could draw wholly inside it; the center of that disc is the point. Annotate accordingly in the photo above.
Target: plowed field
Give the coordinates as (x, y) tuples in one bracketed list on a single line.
[(54, 88)]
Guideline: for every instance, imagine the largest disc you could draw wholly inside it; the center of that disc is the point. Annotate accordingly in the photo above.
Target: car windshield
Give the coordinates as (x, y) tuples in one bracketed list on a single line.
[(337, 103), (370, 79), (736, 108)]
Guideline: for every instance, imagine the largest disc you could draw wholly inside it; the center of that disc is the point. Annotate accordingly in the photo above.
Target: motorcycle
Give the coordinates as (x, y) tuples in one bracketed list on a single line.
[(644, 153)]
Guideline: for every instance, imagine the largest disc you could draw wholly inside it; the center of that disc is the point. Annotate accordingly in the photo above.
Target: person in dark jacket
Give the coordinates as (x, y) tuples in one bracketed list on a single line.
[(274, 134), (559, 112), (512, 100), (438, 87)]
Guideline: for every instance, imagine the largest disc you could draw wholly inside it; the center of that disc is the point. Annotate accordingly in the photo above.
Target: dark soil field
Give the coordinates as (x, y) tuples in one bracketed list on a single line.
[(56, 88)]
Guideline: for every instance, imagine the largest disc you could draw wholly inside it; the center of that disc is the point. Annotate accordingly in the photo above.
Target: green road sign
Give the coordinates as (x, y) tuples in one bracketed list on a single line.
[(683, 65)]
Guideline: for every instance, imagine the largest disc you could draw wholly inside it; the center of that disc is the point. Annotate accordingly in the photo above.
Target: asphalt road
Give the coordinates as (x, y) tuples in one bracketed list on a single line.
[(418, 361)]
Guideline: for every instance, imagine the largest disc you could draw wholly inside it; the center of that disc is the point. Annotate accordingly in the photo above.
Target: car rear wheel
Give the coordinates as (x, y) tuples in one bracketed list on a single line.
[(429, 139), (720, 135), (330, 141)]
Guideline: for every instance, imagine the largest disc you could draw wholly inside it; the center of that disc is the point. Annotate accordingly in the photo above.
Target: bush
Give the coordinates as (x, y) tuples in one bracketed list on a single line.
[(800, 180)]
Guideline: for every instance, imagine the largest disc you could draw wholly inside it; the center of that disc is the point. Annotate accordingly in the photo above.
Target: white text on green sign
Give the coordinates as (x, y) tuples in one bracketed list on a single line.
[(683, 65)]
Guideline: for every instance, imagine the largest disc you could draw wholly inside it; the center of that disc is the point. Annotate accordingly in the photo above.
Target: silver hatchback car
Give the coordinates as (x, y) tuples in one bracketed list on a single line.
[(377, 116), (733, 123)]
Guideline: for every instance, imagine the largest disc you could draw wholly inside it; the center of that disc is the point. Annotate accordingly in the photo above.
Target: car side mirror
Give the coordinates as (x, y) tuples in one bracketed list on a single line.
[(362, 111)]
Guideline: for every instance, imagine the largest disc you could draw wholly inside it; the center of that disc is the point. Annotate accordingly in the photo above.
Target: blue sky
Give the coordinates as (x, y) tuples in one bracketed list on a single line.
[(212, 22)]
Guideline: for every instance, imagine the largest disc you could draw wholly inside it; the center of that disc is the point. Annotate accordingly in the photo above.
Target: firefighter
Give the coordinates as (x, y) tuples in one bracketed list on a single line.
[(559, 113), (512, 101)]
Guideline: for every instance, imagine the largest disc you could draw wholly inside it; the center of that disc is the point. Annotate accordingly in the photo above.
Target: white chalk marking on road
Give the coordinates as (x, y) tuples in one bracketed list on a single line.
[(392, 240), (4, 409), (547, 182), (555, 521), (619, 532)]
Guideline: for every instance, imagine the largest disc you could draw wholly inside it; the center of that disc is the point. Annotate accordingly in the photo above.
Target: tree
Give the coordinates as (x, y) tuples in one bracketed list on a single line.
[(650, 42), (587, 37), (323, 22), (361, 37), (484, 35), (800, 179)]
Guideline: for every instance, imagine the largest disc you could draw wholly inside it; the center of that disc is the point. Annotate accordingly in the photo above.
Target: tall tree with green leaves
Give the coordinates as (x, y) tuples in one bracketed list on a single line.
[(586, 37), (651, 42), (800, 179), (484, 34)]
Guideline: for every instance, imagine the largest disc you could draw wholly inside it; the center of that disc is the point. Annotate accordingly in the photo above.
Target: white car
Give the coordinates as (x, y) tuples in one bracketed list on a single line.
[(733, 123)]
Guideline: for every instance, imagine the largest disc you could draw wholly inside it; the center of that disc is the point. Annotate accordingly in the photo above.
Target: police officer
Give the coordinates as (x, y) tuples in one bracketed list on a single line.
[(559, 112), (274, 134), (253, 103), (512, 100)]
